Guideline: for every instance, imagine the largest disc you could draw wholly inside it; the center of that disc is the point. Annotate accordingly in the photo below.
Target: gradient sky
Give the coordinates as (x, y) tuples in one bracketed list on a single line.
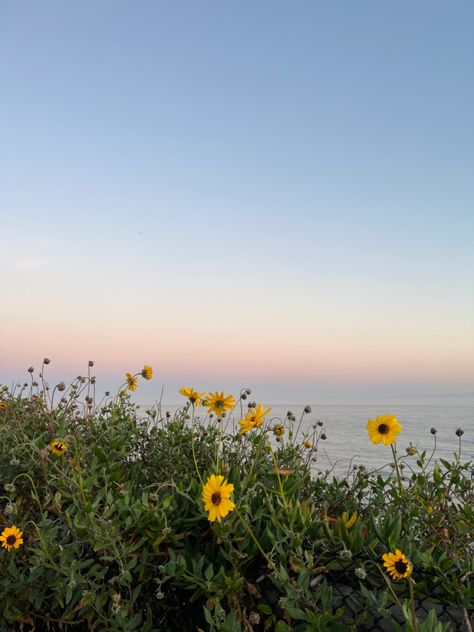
[(273, 194)]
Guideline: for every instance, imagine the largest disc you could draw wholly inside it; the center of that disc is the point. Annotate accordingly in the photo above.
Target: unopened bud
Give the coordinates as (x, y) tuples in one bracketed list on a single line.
[(31, 369), (433, 431), (307, 409), (459, 432), (46, 360)]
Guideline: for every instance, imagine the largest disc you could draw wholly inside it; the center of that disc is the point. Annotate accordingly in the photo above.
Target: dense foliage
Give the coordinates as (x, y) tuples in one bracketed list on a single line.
[(116, 537)]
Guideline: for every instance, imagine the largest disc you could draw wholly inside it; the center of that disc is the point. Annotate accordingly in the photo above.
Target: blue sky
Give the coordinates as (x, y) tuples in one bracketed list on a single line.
[(267, 192)]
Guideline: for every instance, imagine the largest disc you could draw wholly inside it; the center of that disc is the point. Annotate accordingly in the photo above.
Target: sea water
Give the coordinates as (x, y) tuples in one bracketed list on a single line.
[(347, 442)]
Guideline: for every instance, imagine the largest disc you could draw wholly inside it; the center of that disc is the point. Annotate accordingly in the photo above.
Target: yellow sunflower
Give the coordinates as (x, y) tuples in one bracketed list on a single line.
[(58, 447), (132, 381), (383, 429), (147, 372), (219, 403), (194, 396), (397, 564), (253, 418), (278, 430), (11, 538), (216, 497)]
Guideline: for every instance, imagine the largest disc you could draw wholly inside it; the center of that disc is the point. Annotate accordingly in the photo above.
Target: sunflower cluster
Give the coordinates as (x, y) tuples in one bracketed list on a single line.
[(131, 381)]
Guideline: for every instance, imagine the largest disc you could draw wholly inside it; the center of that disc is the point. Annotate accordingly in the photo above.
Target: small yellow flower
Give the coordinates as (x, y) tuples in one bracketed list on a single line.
[(194, 396), (11, 538), (397, 564), (2, 405), (384, 429), (147, 372), (58, 447), (219, 403), (278, 430), (308, 444), (430, 509), (216, 497), (253, 418), (132, 382)]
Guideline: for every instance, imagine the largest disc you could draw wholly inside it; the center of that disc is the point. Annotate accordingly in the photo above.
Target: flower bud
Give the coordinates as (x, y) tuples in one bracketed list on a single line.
[(459, 432), (46, 360), (433, 431), (307, 410), (31, 369)]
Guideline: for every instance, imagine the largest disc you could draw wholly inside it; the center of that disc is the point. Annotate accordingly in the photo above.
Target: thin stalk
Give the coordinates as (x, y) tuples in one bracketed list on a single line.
[(394, 452), (193, 450), (412, 604), (258, 545)]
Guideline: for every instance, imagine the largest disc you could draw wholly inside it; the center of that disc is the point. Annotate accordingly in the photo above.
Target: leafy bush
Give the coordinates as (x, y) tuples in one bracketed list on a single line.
[(116, 537)]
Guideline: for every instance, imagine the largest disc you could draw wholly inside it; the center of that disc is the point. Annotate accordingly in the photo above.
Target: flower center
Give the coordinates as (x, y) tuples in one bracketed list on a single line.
[(58, 447), (219, 403), (216, 498), (383, 429), (401, 567), (11, 540)]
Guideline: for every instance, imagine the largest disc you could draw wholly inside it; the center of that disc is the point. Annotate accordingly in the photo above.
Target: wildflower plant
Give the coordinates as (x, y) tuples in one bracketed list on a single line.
[(135, 513)]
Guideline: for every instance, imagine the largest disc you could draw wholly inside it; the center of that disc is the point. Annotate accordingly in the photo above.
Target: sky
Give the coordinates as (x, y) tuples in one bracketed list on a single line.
[(268, 194)]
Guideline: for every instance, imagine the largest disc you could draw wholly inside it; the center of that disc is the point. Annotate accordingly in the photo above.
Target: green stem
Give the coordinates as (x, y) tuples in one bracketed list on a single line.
[(258, 545), (412, 603), (280, 485), (394, 452), (193, 450)]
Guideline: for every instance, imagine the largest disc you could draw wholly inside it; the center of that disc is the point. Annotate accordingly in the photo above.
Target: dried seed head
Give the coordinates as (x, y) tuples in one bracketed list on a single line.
[(254, 618), (61, 386)]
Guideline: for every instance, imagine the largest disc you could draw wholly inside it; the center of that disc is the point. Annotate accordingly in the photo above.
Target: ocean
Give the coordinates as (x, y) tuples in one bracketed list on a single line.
[(347, 441)]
